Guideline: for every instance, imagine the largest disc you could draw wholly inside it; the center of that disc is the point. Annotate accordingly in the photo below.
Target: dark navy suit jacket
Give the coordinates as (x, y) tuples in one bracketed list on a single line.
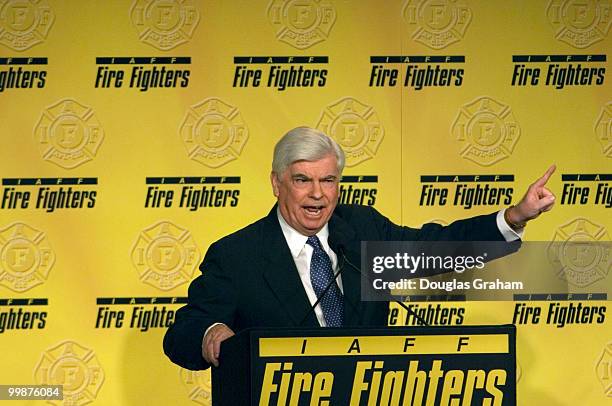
[(249, 278)]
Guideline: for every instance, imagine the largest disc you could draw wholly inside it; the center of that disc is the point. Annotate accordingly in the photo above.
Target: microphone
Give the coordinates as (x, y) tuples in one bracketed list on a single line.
[(338, 247)]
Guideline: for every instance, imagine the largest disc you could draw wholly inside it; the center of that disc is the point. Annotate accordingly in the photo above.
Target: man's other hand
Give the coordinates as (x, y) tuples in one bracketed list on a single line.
[(211, 344), (537, 200)]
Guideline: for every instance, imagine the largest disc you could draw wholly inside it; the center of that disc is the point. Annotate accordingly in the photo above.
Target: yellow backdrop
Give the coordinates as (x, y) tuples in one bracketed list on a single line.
[(136, 133)]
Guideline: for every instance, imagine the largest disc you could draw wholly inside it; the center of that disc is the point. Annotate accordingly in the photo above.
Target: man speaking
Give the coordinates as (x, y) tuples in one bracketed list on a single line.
[(273, 272)]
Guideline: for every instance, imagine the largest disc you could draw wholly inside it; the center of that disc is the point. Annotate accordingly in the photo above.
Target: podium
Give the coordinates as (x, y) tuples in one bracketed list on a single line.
[(460, 365)]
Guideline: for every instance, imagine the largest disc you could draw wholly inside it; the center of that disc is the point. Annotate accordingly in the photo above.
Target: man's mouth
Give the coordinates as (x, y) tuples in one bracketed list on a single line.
[(313, 210)]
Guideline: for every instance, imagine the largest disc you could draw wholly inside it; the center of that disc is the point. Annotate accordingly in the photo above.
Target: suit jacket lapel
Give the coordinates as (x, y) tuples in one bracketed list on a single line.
[(282, 275)]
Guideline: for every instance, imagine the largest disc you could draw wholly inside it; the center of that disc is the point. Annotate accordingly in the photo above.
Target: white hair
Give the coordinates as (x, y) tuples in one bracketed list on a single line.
[(304, 144)]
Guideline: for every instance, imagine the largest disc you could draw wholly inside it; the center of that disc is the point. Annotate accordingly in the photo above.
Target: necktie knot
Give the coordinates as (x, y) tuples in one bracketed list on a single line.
[(314, 242)]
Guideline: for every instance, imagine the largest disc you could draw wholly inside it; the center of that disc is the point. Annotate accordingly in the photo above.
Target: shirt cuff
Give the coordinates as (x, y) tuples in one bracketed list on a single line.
[(208, 329), (506, 231)]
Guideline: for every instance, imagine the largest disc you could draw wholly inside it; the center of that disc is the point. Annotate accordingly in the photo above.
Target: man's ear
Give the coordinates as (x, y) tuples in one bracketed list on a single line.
[(275, 183)]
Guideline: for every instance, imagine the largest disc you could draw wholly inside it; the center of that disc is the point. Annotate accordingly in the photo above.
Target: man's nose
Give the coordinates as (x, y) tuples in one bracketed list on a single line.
[(316, 192)]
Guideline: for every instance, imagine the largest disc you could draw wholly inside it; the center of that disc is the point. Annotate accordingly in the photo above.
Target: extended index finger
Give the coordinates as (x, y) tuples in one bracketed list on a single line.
[(542, 181)]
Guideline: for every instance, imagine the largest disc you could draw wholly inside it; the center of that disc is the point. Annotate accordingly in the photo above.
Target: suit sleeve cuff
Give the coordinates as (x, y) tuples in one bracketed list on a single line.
[(508, 233)]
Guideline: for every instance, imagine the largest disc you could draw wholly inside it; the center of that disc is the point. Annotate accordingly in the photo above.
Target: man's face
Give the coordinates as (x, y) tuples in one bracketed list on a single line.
[(307, 193)]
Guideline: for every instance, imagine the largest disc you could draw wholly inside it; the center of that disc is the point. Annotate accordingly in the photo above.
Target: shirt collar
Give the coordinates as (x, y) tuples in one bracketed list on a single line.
[(297, 241)]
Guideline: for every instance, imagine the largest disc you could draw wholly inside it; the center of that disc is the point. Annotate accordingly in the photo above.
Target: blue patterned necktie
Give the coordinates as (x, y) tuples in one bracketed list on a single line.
[(321, 275)]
